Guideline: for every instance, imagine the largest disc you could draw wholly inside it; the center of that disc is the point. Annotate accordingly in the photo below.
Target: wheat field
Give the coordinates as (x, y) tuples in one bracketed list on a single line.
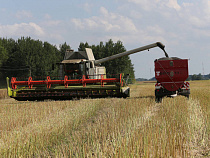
[(108, 127)]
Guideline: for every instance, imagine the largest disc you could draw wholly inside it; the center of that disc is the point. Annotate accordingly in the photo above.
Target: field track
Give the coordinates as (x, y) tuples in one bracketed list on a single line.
[(110, 127)]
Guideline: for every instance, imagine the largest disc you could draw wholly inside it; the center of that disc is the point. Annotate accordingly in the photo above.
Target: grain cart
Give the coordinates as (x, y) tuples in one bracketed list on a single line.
[(171, 74), (82, 77)]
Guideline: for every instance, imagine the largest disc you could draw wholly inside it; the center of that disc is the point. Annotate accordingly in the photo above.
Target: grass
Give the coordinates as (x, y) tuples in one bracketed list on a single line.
[(111, 127)]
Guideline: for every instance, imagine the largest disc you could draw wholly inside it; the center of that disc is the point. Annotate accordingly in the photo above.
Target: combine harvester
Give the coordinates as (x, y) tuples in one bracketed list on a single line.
[(82, 77)]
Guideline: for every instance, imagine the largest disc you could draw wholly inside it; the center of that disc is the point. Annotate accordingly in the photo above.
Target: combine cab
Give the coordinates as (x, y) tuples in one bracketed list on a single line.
[(81, 76), (171, 74)]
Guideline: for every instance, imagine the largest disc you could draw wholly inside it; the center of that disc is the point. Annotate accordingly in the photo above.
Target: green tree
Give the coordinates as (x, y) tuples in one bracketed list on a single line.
[(3, 55), (82, 46), (27, 56), (3, 58), (194, 77), (197, 77), (208, 76), (63, 48)]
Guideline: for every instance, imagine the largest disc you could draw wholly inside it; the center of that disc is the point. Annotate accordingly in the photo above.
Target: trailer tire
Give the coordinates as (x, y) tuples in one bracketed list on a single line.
[(158, 99)]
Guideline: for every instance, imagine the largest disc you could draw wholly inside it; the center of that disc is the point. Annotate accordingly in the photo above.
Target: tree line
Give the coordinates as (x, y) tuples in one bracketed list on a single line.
[(190, 78), (198, 77), (28, 57)]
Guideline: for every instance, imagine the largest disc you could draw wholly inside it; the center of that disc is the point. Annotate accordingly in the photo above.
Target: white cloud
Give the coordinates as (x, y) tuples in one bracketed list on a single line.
[(87, 7), (196, 14), (51, 23), (185, 18), (155, 29), (104, 11), (173, 4), (36, 28), (149, 5), (149, 21), (106, 21), (135, 14), (78, 23), (145, 4), (23, 14), (22, 29)]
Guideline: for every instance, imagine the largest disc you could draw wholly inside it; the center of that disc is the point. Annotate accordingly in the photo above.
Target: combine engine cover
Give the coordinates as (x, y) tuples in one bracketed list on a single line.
[(171, 74)]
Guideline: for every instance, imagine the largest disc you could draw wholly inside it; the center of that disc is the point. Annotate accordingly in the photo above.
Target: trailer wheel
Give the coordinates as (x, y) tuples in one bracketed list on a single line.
[(158, 99), (125, 96)]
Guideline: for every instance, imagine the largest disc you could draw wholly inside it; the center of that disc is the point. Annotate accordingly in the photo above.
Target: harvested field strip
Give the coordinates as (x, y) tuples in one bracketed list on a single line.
[(36, 133), (198, 137), (198, 120), (111, 133)]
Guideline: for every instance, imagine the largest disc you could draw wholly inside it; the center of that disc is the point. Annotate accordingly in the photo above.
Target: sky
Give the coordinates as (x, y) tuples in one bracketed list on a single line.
[(183, 26)]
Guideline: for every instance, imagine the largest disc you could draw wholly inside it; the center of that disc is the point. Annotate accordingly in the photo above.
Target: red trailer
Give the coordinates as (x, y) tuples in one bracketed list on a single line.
[(171, 74)]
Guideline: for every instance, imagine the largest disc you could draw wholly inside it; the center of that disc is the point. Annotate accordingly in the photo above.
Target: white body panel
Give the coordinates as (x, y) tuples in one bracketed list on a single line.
[(96, 72)]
